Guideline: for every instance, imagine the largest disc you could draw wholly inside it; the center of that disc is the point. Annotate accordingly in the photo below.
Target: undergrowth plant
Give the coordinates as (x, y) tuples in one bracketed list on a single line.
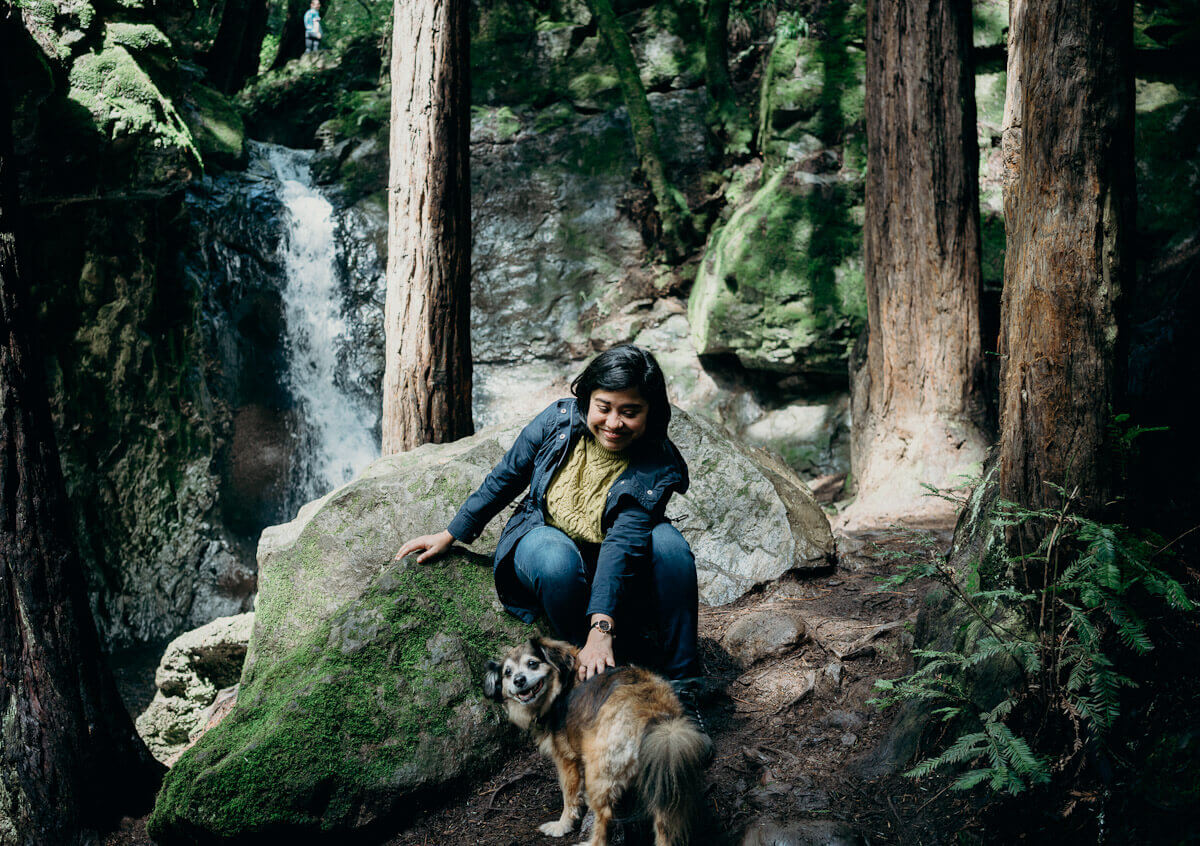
[(1056, 621)]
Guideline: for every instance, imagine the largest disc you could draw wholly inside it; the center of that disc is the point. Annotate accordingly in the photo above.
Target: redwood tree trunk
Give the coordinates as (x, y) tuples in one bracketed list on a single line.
[(917, 406), (234, 56), (1068, 211), (674, 215), (70, 759), (427, 380)]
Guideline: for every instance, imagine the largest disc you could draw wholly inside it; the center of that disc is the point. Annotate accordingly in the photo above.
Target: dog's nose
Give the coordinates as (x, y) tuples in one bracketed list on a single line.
[(519, 682)]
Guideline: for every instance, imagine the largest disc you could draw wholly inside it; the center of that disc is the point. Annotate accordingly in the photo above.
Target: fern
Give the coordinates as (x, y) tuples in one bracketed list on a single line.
[(1078, 622)]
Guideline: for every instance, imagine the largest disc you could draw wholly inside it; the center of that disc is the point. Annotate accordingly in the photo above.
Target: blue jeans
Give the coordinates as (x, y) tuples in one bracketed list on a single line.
[(656, 623)]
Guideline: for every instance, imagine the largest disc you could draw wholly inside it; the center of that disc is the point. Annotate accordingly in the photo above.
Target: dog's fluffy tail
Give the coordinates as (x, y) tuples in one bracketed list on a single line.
[(672, 774)]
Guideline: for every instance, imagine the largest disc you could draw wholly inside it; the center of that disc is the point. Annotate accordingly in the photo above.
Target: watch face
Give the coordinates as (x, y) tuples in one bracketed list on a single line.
[(603, 625)]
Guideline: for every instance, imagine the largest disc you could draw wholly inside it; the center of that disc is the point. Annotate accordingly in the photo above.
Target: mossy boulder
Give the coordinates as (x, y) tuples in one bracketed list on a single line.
[(1167, 163), (359, 701), (781, 283), (359, 698), (124, 110), (216, 126), (813, 84)]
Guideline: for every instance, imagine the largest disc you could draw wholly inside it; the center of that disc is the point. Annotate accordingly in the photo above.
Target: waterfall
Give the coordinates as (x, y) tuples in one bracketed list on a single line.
[(334, 426)]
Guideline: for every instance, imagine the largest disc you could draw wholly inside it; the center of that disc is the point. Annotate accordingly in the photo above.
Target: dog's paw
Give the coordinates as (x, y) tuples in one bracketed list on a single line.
[(558, 828)]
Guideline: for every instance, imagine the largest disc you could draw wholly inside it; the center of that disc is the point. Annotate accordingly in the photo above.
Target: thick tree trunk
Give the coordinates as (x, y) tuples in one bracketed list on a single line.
[(729, 123), (233, 59), (427, 380), (70, 759), (673, 214), (917, 406), (1068, 211)]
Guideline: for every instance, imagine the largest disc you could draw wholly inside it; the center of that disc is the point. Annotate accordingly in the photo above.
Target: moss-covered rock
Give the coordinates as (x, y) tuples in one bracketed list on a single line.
[(216, 126), (372, 709), (137, 38), (990, 22), (1167, 161), (813, 83), (359, 693), (781, 284), (128, 111)]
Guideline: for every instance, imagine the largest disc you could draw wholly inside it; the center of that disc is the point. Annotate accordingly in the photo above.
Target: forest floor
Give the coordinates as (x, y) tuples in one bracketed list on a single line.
[(794, 734)]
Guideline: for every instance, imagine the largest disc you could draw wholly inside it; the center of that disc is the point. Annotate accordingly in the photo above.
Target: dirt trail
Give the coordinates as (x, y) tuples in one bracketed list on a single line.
[(790, 731)]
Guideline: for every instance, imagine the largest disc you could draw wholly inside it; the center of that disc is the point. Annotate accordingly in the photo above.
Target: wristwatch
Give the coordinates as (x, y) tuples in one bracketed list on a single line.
[(604, 626)]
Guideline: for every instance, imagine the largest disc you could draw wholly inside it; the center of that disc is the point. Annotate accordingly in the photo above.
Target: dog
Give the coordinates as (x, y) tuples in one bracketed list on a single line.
[(618, 731)]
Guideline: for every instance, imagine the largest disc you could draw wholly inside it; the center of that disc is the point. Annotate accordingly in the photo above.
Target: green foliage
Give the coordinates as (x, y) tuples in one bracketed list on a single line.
[(1062, 642), (356, 715)]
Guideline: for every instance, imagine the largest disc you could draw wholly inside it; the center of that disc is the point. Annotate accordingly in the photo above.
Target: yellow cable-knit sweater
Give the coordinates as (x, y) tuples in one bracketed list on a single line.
[(576, 496)]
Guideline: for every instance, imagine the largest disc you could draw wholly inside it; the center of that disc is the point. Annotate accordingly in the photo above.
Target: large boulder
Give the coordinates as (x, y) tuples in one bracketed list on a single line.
[(780, 285), (360, 701)]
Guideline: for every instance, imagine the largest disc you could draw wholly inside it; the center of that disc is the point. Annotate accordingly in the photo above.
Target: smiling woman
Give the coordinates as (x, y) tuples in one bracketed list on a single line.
[(589, 545)]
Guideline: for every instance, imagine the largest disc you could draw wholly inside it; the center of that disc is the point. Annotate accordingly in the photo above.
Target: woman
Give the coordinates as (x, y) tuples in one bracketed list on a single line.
[(589, 545)]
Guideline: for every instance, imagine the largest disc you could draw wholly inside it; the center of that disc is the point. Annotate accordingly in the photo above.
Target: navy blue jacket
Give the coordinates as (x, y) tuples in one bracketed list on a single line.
[(636, 502)]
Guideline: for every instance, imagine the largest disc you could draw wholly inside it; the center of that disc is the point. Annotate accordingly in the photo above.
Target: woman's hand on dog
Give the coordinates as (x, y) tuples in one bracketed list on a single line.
[(596, 655), (433, 546)]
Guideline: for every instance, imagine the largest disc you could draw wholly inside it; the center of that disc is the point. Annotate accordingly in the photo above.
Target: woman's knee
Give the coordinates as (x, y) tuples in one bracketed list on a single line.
[(669, 548), (547, 558)]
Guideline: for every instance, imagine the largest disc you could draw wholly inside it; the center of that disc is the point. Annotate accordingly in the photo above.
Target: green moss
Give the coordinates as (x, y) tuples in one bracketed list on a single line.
[(136, 38), (813, 84), (592, 84), (347, 716), (781, 284), (1168, 169), (125, 103), (215, 124), (990, 19), (553, 117), (498, 123)]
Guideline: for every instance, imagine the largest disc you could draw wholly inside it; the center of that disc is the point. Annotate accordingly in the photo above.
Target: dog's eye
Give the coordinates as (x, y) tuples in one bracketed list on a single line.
[(507, 672), (532, 664)]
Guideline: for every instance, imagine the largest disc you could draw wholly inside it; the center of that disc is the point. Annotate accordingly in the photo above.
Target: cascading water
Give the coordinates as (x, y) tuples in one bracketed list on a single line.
[(336, 428)]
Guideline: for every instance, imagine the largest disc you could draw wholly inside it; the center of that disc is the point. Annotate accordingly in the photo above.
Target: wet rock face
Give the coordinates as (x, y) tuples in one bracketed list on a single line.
[(235, 228)]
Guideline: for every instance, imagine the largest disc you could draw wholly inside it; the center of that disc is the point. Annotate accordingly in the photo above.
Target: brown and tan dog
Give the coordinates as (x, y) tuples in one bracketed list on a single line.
[(621, 730)]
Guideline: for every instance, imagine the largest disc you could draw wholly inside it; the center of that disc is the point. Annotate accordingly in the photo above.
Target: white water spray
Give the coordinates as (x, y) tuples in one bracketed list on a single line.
[(336, 430)]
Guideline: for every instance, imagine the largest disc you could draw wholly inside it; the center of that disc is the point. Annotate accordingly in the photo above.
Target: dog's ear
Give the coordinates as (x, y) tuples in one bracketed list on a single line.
[(558, 653), (491, 681)]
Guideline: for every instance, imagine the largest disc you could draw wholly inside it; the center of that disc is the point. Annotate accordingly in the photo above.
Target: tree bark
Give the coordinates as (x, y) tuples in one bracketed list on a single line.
[(233, 59), (1068, 146), (673, 213), (918, 413), (730, 124), (427, 379), (70, 759)]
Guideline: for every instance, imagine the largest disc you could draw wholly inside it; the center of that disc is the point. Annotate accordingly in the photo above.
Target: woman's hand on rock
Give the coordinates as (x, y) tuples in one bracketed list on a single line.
[(433, 546)]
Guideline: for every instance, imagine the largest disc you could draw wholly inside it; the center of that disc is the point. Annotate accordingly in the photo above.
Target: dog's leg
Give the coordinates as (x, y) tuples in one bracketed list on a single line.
[(569, 781), (601, 793), (665, 830)]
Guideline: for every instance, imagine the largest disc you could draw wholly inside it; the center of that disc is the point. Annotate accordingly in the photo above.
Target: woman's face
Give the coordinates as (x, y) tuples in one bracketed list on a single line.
[(617, 418)]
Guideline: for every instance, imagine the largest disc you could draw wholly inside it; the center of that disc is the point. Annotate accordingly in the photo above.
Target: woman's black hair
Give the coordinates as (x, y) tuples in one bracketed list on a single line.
[(619, 369)]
